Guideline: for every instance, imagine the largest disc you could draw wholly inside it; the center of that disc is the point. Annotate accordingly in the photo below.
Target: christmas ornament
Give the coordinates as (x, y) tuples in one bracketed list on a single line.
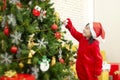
[(16, 37), (10, 73), (6, 31), (35, 71), (5, 58), (42, 15), (13, 49), (42, 43), (53, 62), (21, 65), (31, 43), (57, 35), (61, 60), (44, 65), (30, 55), (11, 20), (36, 11), (54, 27), (13, 1)]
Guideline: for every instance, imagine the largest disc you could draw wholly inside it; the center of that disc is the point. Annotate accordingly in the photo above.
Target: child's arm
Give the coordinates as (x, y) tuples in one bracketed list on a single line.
[(97, 59), (77, 35)]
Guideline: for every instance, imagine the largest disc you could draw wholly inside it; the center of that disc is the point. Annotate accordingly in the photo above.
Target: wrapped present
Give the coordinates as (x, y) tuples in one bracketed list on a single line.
[(103, 54), (19, 77), (114, 67), (104, 75), (116, 75)]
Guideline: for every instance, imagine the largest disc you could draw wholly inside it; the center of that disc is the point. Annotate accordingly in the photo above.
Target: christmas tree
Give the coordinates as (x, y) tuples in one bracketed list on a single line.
[(31, 40)]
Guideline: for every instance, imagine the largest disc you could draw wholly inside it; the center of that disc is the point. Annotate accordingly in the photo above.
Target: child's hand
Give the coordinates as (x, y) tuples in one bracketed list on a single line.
[(67, 23)]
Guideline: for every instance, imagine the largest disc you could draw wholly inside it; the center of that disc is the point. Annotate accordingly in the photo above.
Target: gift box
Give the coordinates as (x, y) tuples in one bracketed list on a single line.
[(114, 67), (103, 54), (19, 77), (116, 77), (104, 75)]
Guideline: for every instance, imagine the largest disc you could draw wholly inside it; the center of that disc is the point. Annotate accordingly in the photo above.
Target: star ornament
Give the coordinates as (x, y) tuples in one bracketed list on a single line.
[(35, 71), (42, 43), (16, 37), (11, 20), (6, 59)]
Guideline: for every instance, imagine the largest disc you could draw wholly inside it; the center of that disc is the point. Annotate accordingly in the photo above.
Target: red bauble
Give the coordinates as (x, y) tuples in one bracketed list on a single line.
[(6, 31), (61, 60), (57, 35), (54, 27), (36, 12), (14, 49)]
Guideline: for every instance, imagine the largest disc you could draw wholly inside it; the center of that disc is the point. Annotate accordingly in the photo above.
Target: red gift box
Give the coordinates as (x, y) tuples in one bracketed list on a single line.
[(114, 67), (19, 77), (116, 77)]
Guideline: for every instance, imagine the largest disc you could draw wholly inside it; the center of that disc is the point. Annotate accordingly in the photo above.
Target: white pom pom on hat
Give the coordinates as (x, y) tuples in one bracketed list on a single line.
[(97, 30)]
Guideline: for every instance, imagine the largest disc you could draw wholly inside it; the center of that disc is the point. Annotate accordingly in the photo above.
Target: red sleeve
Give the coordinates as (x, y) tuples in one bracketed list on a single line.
[(97, 58), (77, 35)]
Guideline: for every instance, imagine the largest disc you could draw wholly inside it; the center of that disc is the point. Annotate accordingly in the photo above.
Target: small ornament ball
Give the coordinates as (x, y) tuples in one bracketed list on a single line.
[(54, 27), (14, 49), (6, 31), (57, 35), (61, 60), (36, 11), (21, 65)]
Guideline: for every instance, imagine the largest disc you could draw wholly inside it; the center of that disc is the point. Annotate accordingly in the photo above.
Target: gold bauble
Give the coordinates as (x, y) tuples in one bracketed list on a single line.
[(21, 65)]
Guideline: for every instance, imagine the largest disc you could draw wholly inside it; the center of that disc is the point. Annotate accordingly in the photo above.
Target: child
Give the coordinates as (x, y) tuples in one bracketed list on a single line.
[(89, 60)]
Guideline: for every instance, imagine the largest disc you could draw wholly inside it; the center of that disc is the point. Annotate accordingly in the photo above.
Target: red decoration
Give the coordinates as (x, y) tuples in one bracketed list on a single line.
[(6, 31), (36, 11), (61, 60), (54, 27), (19, 77), (115, 67), (58, 35), (14, 49), (116, 77)]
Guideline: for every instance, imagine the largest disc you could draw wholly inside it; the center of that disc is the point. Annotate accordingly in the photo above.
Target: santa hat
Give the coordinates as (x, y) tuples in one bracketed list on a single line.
[(97, 30)]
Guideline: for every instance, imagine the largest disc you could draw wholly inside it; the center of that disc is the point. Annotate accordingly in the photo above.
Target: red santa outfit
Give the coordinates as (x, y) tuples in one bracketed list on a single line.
[(89, 60)]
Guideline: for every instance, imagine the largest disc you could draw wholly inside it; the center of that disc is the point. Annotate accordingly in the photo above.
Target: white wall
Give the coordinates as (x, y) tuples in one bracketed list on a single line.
[(80, 12), (108, 13)]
